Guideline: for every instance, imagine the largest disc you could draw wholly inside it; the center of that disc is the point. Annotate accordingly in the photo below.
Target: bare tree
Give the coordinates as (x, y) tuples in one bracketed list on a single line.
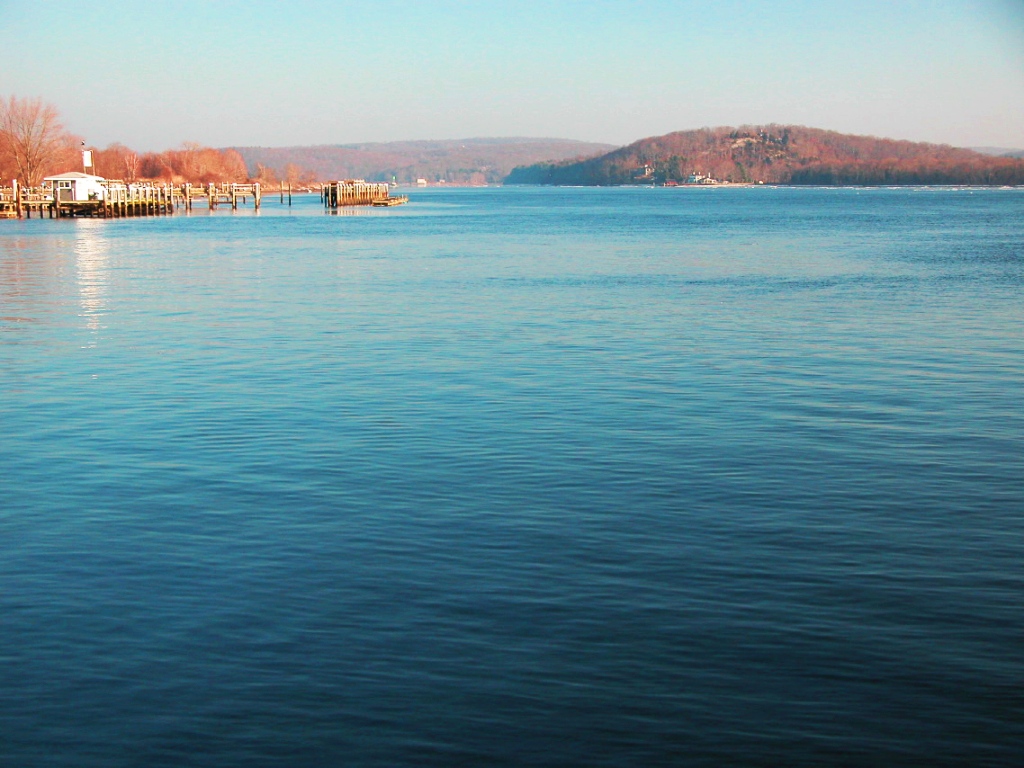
[(233, 165), (117, 161), (292, 173), (130, 163), (32, 135), (192, 167), (265, 174)]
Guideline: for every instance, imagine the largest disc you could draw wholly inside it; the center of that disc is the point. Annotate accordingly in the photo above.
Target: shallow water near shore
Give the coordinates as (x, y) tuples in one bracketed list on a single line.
[(517, 476)]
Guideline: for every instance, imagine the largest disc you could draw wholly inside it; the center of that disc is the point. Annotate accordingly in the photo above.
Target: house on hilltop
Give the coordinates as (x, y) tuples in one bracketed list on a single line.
[(647, 173)]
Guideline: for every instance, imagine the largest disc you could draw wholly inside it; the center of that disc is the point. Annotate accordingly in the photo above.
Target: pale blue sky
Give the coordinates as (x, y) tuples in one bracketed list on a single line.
[(276, 73)]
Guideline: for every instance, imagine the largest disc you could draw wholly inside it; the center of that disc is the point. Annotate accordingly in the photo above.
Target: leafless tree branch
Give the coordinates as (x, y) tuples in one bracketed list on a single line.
[(32, 137)]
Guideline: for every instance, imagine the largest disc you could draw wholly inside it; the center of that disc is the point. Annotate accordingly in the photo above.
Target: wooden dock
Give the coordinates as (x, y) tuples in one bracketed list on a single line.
[(115, 199), (337, 194)]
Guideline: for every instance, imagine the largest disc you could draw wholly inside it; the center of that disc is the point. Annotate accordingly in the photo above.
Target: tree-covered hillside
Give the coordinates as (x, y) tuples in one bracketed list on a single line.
[(782, 154)]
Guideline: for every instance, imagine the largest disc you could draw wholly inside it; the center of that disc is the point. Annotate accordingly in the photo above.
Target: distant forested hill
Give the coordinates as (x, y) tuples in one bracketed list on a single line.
[(460, 161), (784, 154), (999, 151)]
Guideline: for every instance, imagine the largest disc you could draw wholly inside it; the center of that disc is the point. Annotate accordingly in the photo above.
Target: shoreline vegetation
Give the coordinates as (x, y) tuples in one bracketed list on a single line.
[(35, 144)]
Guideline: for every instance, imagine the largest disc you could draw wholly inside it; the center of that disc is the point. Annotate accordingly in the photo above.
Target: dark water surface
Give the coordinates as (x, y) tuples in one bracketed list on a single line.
[(581, 477)]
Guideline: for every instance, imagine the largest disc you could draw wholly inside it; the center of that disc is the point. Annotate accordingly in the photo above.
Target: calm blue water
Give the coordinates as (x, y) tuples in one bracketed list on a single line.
[(579, 477)]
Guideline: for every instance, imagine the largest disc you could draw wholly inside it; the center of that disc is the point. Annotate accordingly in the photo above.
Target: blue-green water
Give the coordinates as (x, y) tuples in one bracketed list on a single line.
[(517, 476)]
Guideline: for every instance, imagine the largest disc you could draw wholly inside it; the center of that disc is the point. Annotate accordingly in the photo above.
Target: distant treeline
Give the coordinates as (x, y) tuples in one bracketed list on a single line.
[(779, 154), (34, 144), (455, 161), (981, 174), (191, 162)]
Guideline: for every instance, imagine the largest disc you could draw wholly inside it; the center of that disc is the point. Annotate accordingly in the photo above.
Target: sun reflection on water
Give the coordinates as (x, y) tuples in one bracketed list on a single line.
[(93, 272)]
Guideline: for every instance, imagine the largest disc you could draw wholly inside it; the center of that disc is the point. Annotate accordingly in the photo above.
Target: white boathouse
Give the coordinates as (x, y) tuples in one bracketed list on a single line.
[(76, 186)]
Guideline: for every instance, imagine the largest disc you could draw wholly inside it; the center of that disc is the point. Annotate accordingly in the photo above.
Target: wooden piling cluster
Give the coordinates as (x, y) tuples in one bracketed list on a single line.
[(336, 194), (131, 200), (232, 194), (214, 195)]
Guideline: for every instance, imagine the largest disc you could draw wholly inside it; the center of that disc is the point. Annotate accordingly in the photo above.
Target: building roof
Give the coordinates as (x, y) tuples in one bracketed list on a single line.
[(73, 175)]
